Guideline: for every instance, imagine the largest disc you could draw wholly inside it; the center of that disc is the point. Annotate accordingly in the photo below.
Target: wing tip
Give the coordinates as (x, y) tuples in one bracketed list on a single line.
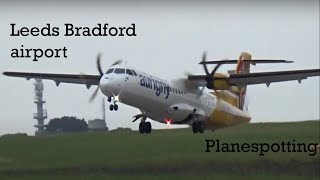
[(9, 73)]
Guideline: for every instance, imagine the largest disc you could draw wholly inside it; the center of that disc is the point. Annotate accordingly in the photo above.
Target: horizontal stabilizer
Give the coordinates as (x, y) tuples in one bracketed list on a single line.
[(252, 61)]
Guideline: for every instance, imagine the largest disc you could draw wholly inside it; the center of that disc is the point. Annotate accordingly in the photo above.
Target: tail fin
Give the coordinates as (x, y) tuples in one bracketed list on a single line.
[(238, 96), (243, 66), (235, 95)]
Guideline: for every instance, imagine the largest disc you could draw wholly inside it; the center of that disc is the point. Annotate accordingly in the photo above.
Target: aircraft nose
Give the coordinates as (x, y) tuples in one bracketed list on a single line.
[(105, 86), (108, 86)]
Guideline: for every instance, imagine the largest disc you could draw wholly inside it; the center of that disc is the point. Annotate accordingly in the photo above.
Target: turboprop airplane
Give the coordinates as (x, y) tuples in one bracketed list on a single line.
[(180, 101)]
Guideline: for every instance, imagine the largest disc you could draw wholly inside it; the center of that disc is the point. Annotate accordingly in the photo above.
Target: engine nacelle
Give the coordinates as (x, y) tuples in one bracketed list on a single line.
[(178, 112), (219, 84), (183, 113)]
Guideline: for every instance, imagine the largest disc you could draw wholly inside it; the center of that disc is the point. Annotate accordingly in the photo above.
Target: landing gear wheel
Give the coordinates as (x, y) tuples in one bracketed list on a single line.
[(194, 128), (111, 107), (142, 127), (109, 99), (198, 127), (148, 127), (145, 127), (115, 107), (201, 127)]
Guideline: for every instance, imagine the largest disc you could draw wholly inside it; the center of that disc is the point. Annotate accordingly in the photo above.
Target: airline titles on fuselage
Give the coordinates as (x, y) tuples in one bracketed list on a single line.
[(157, 85)]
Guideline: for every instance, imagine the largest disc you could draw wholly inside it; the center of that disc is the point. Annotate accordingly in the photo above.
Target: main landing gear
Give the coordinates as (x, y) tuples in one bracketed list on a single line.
[(145, 127), (198, 127), (113, 106)]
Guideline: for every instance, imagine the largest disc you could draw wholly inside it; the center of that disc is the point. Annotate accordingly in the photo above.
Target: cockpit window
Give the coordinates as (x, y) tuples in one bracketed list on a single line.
[(119, 71), (128, 71), (110, 71), (134, 73)]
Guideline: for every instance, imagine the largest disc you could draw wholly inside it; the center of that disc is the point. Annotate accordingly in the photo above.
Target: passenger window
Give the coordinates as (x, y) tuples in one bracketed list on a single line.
[(134, 73), (119, 71), (128, 71), (110, 71)]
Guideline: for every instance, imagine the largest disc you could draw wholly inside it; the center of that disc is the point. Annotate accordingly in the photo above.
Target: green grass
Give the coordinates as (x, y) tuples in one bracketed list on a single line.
[(162, 154)]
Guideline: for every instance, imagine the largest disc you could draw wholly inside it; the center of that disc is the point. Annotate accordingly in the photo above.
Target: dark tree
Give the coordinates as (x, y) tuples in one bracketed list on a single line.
[(67, 124)]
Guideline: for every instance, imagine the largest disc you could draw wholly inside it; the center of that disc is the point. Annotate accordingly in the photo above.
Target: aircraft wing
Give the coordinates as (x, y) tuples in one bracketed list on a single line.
[(261, 77), (88, 80), (270, 77)]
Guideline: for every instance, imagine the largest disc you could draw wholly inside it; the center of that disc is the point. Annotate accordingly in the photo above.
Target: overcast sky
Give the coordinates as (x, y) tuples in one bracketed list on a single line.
[(170, 40)]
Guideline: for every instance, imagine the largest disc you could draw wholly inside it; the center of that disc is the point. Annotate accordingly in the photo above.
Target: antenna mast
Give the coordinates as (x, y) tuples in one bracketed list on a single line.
[(41, 113)]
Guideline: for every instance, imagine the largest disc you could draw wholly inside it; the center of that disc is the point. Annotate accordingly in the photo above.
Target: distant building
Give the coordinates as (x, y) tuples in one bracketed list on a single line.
[(97, 125)]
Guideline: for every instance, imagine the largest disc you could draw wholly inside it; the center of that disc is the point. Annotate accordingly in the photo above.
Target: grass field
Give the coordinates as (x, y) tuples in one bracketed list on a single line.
[(164, 154)]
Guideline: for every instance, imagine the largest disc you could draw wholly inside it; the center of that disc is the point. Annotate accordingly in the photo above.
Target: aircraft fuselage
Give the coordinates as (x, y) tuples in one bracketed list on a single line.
[(162, 100)]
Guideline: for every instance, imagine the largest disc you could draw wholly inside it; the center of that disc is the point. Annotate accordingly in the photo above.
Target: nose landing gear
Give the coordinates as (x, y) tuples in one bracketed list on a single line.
[(113, 106)]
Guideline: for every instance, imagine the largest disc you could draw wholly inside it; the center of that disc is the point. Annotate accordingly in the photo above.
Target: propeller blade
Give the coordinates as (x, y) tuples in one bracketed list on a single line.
[(99, 65), (204, 57), (215, 69), (93, 96), (117, 62)]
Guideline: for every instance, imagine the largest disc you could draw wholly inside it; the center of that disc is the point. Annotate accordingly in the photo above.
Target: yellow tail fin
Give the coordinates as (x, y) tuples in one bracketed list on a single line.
[(242, 67)]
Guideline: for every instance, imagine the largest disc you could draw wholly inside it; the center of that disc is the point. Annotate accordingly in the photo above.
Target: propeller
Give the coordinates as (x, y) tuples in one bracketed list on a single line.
[(98, 63), (210, 76)]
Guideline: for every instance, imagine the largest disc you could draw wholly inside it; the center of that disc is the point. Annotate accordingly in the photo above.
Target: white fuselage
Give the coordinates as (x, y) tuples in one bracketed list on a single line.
[(157, 97)]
